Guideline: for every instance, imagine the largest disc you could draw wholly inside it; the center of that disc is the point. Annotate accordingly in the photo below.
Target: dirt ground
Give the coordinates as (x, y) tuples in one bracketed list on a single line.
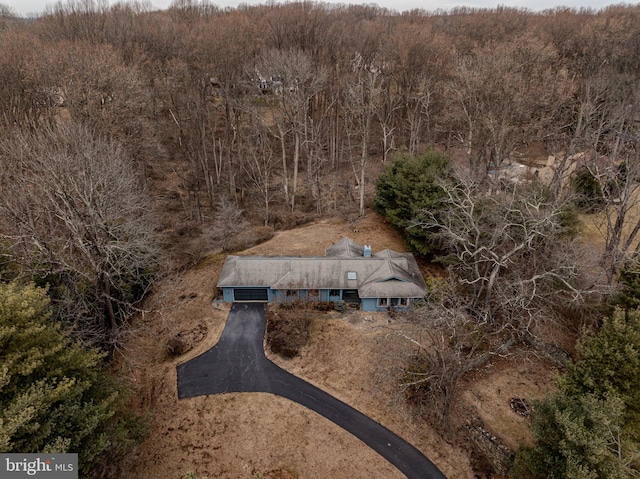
[(242, 436)]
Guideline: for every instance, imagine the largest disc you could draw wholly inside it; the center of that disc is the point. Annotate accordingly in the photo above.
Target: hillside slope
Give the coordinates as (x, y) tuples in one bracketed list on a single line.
[(242, 435)]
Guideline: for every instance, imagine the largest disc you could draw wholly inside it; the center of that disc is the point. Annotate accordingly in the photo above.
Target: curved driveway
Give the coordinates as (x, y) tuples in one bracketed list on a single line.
[(238, 364)]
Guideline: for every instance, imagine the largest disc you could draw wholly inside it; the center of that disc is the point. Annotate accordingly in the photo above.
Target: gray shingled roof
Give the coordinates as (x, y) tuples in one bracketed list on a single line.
[(346, 248), (385, 274)]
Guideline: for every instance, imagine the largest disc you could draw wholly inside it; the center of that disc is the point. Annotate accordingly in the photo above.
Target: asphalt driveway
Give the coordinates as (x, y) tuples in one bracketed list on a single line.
[(238, 364)]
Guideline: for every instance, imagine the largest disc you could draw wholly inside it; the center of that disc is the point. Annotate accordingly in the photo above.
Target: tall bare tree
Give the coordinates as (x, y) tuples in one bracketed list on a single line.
[(259, 164), (91, 84), (75, 217), (503, 97), (618, 177), (294, 81), (20, 103), (363, 98), (514, 251), (420, 60), (604, 140), (75, 20)]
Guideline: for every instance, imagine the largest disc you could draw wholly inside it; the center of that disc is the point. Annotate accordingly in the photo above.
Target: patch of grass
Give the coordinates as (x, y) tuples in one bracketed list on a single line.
[(280, 473), (250, 238), (210, 259)]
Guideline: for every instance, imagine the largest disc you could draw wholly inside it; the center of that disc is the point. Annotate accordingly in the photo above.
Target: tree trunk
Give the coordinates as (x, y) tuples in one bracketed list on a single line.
[(104, 290), (363, 167), (296, 161), (229, 141), (285, 170)]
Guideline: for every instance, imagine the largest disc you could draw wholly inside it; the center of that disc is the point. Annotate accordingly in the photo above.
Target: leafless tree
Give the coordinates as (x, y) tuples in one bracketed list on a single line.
[(388, 113), (222, 46), (19, 105), (315, 146), (75, 216), (604, 140), (259, 165), (503, 97), (514, 253), (189, 11), (227, 222), (363, 97), (294, 81), (8, 18), (440, 344), (388, 124), (91, 84), (423, 64), (514, 269), (618, 176), (194, 117), (76, 20)]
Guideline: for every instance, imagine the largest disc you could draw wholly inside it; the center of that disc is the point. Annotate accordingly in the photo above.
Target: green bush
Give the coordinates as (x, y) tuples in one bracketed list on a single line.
[(588, 191), (628, 297), (590, 428), (409, 191)]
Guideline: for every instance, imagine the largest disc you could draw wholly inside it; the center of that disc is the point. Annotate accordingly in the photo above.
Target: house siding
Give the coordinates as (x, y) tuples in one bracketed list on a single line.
[(370, 304), (367, 304), (227, 295)]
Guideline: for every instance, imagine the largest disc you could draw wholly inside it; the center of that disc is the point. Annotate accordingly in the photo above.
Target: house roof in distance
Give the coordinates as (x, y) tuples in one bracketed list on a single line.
[(386, 273)]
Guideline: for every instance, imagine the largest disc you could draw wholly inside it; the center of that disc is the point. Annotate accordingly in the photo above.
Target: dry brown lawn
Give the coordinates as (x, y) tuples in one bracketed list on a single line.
[(242, 436)]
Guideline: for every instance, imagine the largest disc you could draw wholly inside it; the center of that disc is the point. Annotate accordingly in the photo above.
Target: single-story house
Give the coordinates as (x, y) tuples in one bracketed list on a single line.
[(348, 272)]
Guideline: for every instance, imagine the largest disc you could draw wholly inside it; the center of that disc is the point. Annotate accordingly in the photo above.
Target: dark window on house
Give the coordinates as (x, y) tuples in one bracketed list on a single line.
[(292, 293), (382, 302), (334, 292), (404, 301)]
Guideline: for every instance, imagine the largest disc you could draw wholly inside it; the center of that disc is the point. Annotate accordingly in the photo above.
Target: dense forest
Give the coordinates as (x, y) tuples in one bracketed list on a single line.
[(134, 141)]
